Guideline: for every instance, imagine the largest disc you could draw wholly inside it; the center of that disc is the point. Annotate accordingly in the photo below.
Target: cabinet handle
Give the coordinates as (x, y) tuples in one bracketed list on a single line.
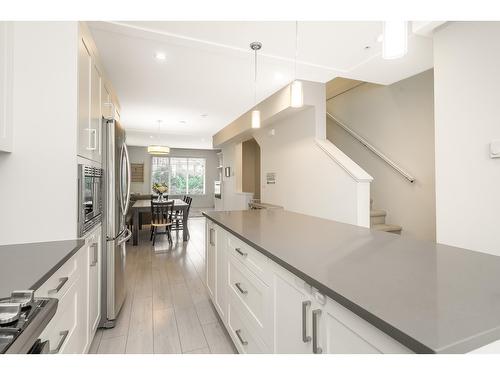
[(93, 132), (305, 306), (238, 250), (62, 281), (316, 348), (212, 236), (95, 255), (242, 291), (64, 335), (242, 340)]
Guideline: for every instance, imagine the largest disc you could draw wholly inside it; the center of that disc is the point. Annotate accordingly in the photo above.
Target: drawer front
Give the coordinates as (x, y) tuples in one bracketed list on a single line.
[(251, 258), (59, 283), (253, 298), (244, 337), (63, 330)]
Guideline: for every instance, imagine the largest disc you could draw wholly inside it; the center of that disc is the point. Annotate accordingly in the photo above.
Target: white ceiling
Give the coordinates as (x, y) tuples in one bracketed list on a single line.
[(209, 69)]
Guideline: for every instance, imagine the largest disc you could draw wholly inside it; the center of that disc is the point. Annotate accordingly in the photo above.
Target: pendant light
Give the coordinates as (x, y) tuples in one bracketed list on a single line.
[(297, 93), (158, 149), (255, 46), (394, 39)]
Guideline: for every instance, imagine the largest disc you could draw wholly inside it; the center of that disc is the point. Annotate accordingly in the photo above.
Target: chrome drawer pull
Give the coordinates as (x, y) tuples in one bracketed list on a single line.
[(305, 305), (62, 281), (64, 335), (238, 286), (316, 349), (211, 237), (242, 340), (238, 250)]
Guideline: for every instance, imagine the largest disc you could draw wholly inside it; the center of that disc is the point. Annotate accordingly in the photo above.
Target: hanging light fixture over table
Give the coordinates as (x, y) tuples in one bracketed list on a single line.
[(158, 149), (255, 46)]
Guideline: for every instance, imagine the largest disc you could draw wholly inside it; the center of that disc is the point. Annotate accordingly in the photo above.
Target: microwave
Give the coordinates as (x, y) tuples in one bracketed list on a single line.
[(89, 197)]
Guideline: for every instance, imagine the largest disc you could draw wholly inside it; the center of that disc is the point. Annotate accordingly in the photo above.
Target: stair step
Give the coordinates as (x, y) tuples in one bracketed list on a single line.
[(377, 217), (387, 228)]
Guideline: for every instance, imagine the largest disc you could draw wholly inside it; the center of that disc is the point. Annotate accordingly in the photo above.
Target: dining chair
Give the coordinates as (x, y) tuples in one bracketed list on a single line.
[(179, 217), (161, 217)]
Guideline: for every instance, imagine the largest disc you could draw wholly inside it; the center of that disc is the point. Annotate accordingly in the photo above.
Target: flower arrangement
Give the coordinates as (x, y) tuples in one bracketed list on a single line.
[(160, 189)]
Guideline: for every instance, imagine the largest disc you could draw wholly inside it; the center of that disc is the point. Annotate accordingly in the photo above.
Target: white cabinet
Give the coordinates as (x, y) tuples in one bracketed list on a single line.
[(94, 257), (89, 105), (221, 272), (216, 267), (210, 258), (6, 72), (84, 129), (77, 286), (292, 311), (267, 309), (67, 330)]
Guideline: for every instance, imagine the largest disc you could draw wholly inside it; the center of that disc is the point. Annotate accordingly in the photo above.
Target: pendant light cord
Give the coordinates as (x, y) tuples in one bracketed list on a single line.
[(296, 49), (255, 78)]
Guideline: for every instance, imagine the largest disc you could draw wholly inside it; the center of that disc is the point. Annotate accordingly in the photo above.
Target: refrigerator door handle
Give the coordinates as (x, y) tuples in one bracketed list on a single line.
[(126, 238), (125, 204)]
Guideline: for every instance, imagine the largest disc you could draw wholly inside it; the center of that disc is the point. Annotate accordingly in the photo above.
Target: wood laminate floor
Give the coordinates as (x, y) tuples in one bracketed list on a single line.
[(167, 309)]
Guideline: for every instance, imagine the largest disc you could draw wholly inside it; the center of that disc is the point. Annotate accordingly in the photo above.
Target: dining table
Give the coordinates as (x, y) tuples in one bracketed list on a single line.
[(144, 205)]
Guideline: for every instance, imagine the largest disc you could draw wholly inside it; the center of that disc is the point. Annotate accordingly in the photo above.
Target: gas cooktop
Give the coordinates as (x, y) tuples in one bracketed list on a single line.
[(22, 318)]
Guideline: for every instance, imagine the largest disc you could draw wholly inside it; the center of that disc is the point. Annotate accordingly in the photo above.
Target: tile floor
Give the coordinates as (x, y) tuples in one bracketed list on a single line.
[(167, 309)]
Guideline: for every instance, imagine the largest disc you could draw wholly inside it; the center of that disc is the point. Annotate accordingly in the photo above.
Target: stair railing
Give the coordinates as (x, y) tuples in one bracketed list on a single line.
[(372, 148)]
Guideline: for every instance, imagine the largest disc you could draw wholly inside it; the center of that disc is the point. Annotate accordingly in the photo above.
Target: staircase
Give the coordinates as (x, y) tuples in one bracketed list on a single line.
[(377, 221)]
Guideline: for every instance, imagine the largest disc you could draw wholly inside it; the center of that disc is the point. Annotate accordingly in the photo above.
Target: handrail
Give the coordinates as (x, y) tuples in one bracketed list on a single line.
[(365, 143)]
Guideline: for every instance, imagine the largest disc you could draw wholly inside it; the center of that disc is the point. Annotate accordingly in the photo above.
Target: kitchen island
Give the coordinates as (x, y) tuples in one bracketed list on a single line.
[(425, 297)]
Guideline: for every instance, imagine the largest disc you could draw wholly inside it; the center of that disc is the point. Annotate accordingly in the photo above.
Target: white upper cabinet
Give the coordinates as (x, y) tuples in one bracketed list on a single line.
[(6, 72), (84, 127), (95, 113), (89, 105)]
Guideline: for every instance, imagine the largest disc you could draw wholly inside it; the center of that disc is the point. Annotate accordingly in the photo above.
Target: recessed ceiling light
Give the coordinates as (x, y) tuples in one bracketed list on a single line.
[(160, 56), (204, 115)]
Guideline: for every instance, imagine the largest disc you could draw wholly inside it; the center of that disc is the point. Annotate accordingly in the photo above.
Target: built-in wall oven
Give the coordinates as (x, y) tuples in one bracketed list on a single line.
[(89, 197)]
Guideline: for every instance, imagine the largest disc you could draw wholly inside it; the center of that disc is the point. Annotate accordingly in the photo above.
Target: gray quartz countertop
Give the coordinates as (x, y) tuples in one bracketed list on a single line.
[(432, 298), (28, 266)]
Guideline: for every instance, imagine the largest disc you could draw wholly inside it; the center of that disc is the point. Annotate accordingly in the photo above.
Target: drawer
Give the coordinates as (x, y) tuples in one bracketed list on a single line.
[(58, 284), (244, 337), (251, 258), (63, 329), (253, 298)]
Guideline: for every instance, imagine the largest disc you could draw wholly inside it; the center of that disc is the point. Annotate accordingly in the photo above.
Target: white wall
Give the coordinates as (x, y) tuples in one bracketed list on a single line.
[(312, 175), (467, 113), (38, 189), (139, 154), (307, 180), (399, 120)]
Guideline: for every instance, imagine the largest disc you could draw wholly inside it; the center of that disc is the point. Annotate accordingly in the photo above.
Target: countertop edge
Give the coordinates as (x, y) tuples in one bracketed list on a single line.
[(51, 271), (385, 327)]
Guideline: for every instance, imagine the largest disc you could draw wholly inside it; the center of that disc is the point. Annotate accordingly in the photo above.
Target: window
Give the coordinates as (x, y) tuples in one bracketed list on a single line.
[(181, 175)]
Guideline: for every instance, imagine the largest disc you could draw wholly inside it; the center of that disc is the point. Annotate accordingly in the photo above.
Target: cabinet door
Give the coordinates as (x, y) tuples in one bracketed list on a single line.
[(292, 310), (94, 282), (95, 113), (106, 104), (84, 126), (211, 239), (221, 272)]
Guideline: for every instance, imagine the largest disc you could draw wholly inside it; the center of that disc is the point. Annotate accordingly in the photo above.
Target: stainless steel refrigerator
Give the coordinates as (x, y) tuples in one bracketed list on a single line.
[(116, 165)]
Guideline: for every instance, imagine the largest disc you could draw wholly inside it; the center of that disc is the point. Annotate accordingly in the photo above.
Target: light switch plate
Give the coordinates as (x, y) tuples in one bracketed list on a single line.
[(495, 149)]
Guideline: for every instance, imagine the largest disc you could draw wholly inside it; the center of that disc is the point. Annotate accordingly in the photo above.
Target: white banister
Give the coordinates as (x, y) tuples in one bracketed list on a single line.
[(373, 149)]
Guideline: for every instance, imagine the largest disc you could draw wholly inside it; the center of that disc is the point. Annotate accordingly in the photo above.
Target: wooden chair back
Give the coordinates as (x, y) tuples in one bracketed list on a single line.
[(161, 212)]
